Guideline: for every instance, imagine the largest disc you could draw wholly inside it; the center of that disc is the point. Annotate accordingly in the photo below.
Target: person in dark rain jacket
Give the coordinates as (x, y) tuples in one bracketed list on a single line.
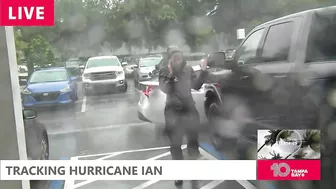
[(181, 116)]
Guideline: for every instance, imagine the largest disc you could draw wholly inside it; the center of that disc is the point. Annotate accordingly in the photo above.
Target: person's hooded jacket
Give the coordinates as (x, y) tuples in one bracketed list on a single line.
[(178, 86)]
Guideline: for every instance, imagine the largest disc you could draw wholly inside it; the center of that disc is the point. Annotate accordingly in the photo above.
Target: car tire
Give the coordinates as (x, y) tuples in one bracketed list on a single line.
[(227, 120), (213, 115), (124, 89), (44, 147), (86, 93)]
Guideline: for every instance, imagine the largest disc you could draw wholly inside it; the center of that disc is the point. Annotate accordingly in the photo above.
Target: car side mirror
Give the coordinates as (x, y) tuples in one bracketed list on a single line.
[(124, 64), (24, 82), (73, 78), (29, 114), (218, 59)]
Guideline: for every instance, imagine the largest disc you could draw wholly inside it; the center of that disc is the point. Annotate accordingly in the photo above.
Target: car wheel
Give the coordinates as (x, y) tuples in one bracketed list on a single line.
[(135, 83), (44, 147), (213, 115), (227, 120), (124, 89), (86, 92)]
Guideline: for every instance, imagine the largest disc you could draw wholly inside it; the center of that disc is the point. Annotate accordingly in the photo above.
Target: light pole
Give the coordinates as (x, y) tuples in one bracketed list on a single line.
[(12, 135)]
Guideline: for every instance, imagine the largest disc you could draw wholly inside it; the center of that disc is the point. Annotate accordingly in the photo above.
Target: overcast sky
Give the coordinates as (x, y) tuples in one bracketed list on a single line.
[(281, 149)]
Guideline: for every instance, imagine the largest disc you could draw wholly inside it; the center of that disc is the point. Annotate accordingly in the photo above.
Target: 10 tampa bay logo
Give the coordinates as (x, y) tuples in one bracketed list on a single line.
[(284, 170)]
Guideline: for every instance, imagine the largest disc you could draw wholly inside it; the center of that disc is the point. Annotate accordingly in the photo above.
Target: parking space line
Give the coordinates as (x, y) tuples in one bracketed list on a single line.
[(246, 184), (146, 184), (126, 151), (143, 185), (90, 181), (212, 184), (165, 154), (81, 184), (83, 104), (97, 128)]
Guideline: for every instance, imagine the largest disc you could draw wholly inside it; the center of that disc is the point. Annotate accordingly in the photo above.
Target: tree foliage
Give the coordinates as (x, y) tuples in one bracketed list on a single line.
[(89, 24)]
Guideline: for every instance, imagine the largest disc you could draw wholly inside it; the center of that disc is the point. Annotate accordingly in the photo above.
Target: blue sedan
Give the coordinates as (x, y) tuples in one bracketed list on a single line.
[(47, 87)]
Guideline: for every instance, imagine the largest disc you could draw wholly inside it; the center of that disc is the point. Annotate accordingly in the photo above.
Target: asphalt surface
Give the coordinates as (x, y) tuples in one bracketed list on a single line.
[(109, 123)]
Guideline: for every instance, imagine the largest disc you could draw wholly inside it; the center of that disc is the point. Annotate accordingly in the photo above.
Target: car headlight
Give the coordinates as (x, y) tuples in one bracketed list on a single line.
[(86, 76), (120, 73), (66, 89), (26, 91)]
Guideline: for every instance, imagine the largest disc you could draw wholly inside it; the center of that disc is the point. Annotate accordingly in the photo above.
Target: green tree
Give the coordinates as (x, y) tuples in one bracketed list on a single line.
[(300, 155), (275, 136), (275, 155), (38, 52), (312, 139)]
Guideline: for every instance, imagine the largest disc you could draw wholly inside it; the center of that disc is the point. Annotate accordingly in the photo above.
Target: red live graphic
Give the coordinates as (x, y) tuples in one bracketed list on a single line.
[(26, 12), (289, 169)]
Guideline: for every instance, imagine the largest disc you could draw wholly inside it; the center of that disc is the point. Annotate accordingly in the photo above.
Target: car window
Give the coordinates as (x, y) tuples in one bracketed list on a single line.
[(148, 62), (248, 50), (73, 63), (277, 43), (48, 76), (102, 62), (322, 40), (194, 60)]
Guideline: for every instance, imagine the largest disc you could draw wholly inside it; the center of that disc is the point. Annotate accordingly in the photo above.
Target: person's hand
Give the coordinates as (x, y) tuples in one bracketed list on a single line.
[(204, 64)]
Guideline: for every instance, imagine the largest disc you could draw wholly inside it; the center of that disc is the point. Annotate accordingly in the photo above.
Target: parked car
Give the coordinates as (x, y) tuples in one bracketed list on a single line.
[(129, 70), (193, 59), (104, 73), (37, 141), (229, 53), (23, 74), (144, 69), (48, 87), (72, 65), (281, 76), (152, 101)]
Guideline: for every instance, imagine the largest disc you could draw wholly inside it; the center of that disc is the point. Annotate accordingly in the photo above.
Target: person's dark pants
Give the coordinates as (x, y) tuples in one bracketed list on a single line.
[(181, 122)]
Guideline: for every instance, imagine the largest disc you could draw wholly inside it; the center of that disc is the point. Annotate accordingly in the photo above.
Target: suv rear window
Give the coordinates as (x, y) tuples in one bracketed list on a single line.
[(322, 38)]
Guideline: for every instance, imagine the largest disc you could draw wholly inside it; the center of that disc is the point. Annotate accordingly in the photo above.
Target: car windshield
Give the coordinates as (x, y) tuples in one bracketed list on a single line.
[(102, 62), (73, 63), (194, 60), (148, 62), (48, 76)]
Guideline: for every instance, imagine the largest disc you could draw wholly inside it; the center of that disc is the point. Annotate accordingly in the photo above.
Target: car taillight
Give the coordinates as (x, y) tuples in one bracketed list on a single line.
[(217, 85), (147, 90)]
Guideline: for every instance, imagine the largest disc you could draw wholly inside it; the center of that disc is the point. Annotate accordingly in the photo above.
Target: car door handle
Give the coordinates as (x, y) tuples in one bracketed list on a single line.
[(280, 76), (244, 77)]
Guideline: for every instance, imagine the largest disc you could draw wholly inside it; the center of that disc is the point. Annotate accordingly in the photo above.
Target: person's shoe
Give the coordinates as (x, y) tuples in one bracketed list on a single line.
[(178, 182)]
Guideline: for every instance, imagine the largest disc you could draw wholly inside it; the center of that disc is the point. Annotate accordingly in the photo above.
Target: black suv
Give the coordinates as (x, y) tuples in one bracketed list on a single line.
[(283, 75)]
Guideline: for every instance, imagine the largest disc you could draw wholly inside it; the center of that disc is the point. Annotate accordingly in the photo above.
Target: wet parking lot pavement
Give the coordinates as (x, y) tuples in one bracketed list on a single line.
[(100, 125)]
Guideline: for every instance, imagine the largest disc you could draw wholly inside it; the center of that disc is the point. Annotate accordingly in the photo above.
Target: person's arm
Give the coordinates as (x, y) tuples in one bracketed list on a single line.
[(198, 82), (166, 81)]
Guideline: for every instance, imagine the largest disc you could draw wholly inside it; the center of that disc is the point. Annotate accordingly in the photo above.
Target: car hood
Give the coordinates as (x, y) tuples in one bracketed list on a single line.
[(103, 69), (147, 69), (47, 87)]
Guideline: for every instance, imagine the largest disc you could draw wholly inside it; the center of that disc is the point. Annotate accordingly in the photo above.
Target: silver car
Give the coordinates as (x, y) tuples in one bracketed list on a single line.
[(144, 69)]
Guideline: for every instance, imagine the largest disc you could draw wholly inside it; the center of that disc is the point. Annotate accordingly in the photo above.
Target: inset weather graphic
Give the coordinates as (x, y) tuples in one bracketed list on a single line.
[(289, 144)]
